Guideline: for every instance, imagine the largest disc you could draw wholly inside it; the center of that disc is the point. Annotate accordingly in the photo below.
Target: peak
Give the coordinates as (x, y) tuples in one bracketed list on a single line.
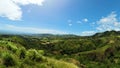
[(107, 33)]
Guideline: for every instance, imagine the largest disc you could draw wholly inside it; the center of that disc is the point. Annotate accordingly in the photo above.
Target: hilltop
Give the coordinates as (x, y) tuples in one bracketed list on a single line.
[(101, 50)]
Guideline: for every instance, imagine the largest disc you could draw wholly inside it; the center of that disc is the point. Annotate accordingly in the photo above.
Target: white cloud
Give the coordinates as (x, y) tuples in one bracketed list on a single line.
[(110, 19), (93, 24), (27, 2), (108, 23), (88, 33), (79, 22), (70, 24), (11, 8), (31, 29), (69, 21), (85, 20)]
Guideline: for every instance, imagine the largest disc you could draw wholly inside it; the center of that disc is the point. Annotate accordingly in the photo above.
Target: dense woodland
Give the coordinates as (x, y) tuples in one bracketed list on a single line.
[(101, 50)]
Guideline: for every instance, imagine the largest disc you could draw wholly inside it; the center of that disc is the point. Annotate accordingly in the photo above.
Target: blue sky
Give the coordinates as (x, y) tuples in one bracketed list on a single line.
[(80, 17)]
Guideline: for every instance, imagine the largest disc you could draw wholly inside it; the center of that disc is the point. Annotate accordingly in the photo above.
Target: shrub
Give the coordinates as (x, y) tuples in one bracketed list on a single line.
[(21, 52), (12, 48), (8, 60), (28, 62), (41, 52), (32, 54)]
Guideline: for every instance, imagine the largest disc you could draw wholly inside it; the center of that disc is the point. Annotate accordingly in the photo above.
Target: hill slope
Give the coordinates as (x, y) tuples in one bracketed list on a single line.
[(101, 50), (16, 56)]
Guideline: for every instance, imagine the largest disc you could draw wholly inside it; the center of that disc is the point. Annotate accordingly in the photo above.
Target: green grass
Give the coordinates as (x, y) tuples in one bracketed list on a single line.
[(10, 54), (98, 50)]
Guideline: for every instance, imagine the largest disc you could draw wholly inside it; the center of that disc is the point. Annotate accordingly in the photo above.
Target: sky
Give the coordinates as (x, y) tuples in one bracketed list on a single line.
[(79, 17)]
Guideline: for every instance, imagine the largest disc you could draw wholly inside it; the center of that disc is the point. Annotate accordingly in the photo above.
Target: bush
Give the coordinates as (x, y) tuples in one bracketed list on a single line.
[(32, 54), (8, 60), (12, 48), (21, 53), (41, 52)]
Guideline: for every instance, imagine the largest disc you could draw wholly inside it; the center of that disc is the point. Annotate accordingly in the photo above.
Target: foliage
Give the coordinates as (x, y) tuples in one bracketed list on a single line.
[(101, 50), (8, 60)]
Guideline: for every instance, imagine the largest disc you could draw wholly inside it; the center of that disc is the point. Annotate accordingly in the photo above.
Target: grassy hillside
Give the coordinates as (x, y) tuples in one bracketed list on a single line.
[(16, 56), (101, 50)]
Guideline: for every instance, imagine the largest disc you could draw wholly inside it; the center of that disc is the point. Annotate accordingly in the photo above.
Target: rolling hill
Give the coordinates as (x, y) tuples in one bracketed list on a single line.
[(101, 50)]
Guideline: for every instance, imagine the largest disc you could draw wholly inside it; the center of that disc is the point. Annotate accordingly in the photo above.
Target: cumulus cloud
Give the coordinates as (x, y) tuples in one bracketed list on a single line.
[(79, 22), (85, 20), (108, 23), (93, 24), (27, 2), (31, 29), (70, 24), (69, 21), (88, 33), (11, 8)]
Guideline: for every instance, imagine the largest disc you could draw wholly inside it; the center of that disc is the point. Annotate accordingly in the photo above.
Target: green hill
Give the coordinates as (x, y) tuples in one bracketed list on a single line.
[(101, 50), (16, 56)]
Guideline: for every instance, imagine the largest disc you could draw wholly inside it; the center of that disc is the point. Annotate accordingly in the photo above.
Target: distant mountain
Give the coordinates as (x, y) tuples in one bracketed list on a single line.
[(13, 32), (107, 33), (54, 35), (102, 34), (10, 32)]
